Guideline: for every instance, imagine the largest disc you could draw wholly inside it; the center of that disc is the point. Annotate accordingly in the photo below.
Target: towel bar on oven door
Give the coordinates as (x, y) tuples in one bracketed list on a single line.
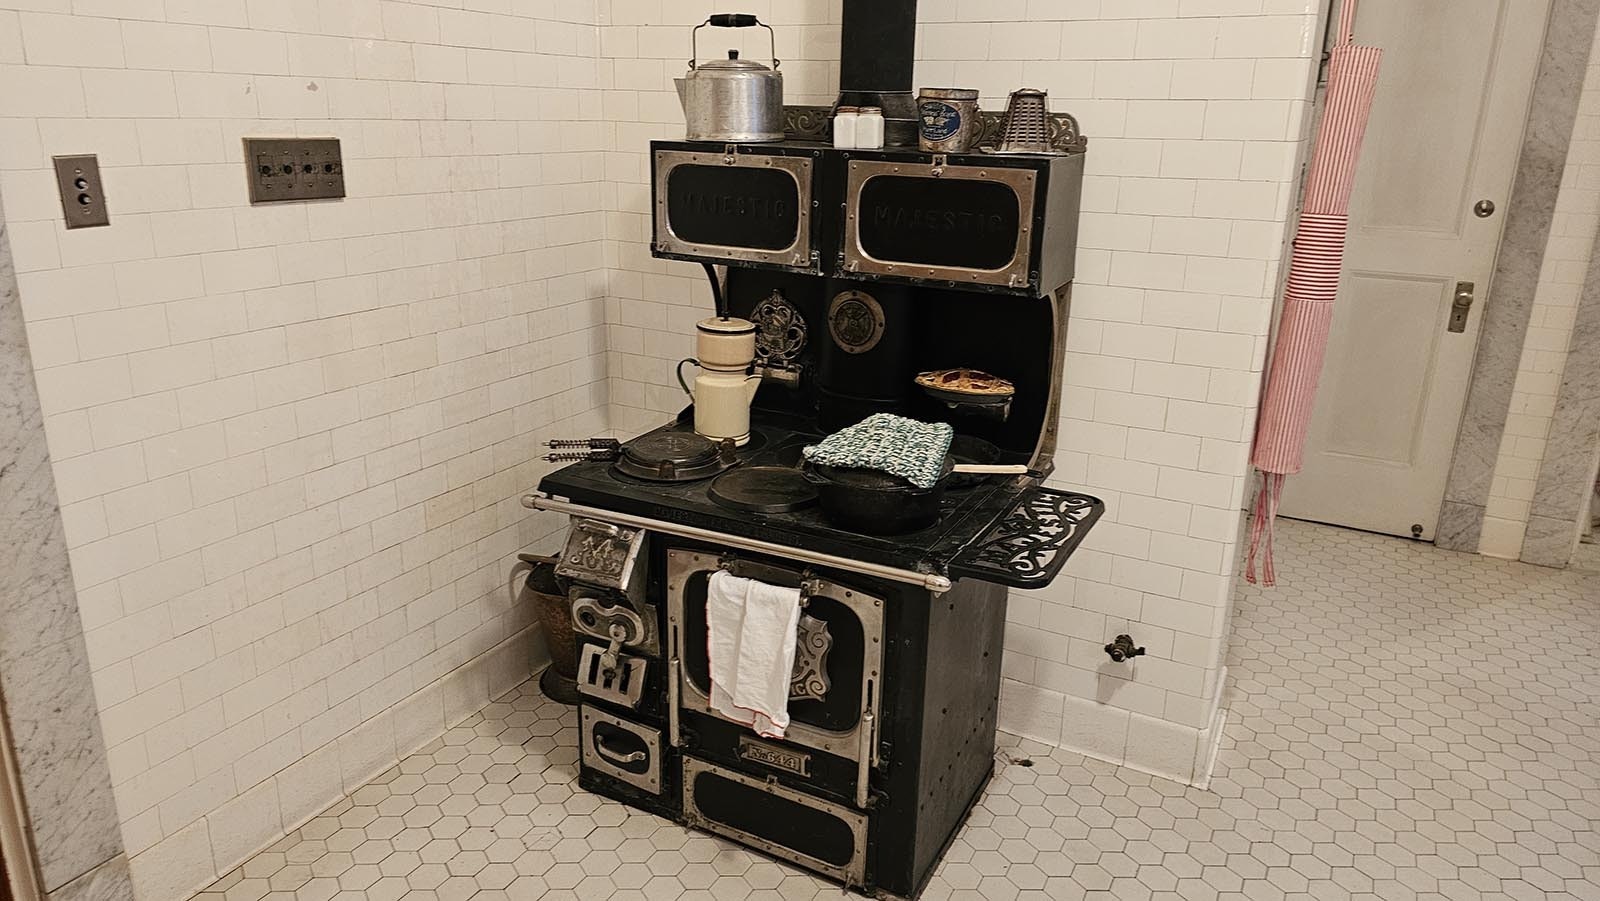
[(932, 582)]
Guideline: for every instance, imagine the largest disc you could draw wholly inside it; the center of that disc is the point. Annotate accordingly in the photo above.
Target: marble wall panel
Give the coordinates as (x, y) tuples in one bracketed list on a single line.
[(1551, 117), (44, 670)]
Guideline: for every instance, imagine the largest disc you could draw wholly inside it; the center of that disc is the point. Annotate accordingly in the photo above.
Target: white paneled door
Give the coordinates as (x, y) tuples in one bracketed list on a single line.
[(1426, 219)]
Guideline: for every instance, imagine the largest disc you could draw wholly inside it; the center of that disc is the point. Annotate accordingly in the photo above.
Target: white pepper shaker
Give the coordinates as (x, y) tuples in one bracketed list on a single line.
[(869, 129), (846, 124)]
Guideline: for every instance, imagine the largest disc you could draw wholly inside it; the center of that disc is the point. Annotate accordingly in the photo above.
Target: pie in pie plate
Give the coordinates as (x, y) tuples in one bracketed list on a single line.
[(962, 385)]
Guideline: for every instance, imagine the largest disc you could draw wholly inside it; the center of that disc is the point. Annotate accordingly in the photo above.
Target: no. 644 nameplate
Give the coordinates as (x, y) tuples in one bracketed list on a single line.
[(774, 756)]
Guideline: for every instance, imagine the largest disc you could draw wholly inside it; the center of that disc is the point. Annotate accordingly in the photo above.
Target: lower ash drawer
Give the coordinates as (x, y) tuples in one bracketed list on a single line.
[(819, 835), (627, 752)]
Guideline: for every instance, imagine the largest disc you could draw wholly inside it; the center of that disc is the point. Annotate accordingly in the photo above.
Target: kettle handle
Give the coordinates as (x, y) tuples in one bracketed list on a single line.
[(681, 381), (731, 20)]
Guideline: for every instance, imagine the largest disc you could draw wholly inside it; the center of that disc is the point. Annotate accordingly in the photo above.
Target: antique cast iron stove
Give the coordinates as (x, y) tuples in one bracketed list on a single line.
[(861, 269)]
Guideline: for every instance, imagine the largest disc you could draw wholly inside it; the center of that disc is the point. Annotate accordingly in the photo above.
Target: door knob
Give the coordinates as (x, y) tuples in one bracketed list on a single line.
[(1483, 209), (1461, 306)]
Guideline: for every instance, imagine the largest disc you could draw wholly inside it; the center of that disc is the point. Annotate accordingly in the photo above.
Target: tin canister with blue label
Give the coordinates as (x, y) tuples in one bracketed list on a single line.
[(949, 119)]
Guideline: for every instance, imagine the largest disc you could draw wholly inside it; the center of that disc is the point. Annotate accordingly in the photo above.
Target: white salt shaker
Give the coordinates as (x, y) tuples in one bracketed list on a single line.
[(846, 124), (869, 129)]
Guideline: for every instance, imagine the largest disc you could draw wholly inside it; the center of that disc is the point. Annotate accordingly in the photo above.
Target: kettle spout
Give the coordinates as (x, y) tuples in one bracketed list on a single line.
[(682, 84), (751, 386)]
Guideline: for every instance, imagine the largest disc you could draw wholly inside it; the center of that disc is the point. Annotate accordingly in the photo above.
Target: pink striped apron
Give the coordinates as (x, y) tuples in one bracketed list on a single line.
[(1313, 285)]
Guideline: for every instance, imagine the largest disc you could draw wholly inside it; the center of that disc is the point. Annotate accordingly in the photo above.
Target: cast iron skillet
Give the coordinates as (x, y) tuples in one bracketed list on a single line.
[(877, 503)]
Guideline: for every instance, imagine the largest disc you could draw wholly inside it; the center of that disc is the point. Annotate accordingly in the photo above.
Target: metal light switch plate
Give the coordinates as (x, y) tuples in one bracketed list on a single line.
[(83, 199), (287, 169)]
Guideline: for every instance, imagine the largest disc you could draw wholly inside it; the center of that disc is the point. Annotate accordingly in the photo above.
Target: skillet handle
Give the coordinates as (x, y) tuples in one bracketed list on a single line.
[(812, 476), (988, 469)]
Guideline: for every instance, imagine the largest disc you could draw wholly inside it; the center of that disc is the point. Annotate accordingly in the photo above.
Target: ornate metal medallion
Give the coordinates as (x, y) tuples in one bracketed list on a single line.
[(599, 553), (808, 681), (856, 322), (780, 332)]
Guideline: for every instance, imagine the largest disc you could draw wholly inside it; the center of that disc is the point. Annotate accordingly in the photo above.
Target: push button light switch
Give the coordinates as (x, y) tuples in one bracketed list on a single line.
[(83, 200)]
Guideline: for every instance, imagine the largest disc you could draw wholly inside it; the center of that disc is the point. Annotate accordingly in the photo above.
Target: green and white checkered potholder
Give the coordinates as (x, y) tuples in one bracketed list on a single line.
[(912, 450)]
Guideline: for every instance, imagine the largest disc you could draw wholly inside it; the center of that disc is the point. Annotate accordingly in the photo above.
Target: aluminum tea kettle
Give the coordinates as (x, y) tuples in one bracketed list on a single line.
[(732, 100)]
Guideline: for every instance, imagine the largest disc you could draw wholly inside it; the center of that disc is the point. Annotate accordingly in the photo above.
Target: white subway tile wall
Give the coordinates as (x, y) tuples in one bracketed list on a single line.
[(1544, 351), (290, 440), (1195, 111)]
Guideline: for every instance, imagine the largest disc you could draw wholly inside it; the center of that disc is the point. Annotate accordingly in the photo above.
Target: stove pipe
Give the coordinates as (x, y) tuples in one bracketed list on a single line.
[(877, 53)]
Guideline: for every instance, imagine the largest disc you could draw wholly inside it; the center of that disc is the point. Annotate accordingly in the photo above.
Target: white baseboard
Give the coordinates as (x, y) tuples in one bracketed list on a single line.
[(1150, 745), (182, 865)]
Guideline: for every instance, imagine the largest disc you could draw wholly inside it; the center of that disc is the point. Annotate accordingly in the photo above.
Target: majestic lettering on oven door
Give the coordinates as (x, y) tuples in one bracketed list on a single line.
[(948, 222), (733, 207)]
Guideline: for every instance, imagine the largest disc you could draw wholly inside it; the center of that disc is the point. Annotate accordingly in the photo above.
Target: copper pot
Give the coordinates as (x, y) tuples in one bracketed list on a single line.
[(559, 682)]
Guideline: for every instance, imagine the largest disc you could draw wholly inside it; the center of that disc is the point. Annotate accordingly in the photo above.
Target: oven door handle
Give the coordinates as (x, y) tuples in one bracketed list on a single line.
[(1029, 545), (616, 757)]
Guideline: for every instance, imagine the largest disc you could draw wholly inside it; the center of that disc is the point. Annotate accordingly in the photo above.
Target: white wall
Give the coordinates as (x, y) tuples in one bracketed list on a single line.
[(1544, 350), (1194, 110), (290, 440)]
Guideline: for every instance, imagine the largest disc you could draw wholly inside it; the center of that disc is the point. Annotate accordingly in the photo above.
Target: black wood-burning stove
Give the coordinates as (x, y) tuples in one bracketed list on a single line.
[(861, 269)]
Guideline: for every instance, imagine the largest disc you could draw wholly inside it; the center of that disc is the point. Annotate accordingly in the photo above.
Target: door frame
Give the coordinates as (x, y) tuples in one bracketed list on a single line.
[(1530, 210), (1552, 117), (18, 874)]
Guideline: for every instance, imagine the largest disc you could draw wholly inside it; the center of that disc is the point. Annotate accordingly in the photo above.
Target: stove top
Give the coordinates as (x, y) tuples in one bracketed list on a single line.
[(777, 441)]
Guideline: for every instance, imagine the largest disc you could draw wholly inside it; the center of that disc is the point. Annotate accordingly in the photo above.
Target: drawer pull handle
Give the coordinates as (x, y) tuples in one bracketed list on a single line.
[(615, 756)]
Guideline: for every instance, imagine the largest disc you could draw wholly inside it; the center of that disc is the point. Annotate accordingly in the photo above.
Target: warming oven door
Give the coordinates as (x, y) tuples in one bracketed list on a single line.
[(834, 696), (740, 206), (968, 225)]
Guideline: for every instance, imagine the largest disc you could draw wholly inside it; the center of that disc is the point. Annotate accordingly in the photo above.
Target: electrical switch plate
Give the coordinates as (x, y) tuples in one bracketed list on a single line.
[(283, 169), (83, 200)]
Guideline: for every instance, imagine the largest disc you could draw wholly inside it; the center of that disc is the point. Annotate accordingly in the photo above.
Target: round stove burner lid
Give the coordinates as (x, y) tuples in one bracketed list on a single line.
[(679, 448), (674, 457), (764, 489)]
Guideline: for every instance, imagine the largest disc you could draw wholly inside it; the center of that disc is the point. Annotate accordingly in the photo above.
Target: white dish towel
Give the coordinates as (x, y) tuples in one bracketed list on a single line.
[(751, 642)]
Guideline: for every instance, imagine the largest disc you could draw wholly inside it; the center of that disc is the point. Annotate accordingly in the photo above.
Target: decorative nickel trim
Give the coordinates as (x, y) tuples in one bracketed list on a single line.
[(859, 743), (799, 255), (1023, 182), (600, 553), (856, 321), (780, 333), (809, 679), (933, 582)]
